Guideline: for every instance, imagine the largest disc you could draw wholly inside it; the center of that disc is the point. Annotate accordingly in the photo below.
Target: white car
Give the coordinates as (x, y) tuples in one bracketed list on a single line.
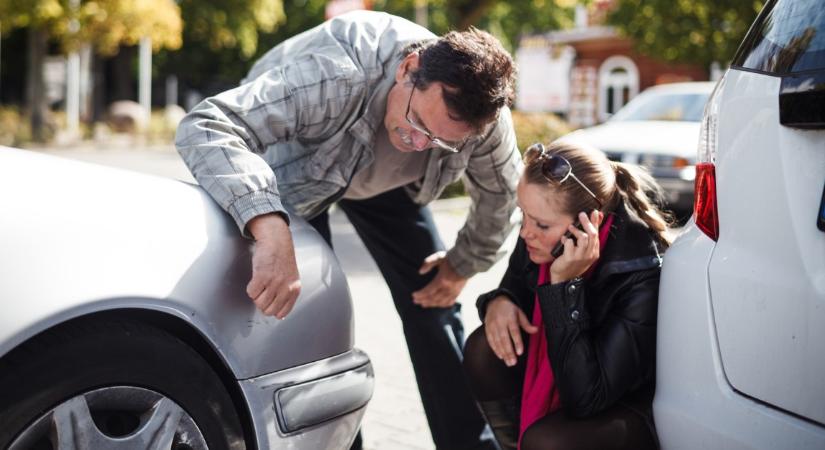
[(658, 129), (741, 331), (125, 323)]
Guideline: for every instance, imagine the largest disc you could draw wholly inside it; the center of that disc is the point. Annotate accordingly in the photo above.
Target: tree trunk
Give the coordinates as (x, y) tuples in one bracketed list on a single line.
[(123, 79), (99, 90), (36, 107)]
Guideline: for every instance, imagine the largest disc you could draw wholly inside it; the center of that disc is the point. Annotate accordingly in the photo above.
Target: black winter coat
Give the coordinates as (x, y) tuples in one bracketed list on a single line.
[(601, 331)]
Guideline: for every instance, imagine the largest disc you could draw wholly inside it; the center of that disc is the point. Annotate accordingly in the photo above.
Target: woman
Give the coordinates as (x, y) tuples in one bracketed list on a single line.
[(565, 358)]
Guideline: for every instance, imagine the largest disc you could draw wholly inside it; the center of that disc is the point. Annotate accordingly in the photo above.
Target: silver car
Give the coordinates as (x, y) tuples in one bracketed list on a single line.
[(659, 130), (125, 323)]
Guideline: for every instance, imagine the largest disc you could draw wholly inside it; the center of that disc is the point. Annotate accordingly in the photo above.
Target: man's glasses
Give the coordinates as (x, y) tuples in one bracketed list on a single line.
[(438, 142), (555, 168)]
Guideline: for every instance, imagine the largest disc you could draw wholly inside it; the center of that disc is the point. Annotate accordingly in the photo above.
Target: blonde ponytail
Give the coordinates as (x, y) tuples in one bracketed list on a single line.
[(641, 192)]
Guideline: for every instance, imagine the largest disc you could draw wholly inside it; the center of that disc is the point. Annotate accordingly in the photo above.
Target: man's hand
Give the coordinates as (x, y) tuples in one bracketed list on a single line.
[(275, 283), (501, 326), (442, 291)]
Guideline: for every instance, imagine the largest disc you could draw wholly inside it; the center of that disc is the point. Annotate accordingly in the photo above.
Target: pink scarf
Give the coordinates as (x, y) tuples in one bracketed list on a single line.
[(539, 395)]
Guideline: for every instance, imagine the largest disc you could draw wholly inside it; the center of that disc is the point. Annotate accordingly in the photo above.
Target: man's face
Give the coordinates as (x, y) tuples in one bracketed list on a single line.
[(426, 109)]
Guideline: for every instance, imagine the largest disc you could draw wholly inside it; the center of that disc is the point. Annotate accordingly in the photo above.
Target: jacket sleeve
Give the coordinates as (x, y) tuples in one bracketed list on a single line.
[(594, 368), (515, 283), (222, 139), (491, 178)]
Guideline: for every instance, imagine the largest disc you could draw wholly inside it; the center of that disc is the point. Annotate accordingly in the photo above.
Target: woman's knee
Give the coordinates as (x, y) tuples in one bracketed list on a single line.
[(616, 428), (478, 356), (547, 435), (480, 365)]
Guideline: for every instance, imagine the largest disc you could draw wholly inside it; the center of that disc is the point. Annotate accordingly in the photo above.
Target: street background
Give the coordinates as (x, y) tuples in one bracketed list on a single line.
[(108, 82), (394, 418)]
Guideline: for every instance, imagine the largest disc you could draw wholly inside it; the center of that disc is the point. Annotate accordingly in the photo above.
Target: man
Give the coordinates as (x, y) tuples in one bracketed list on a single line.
[(377, 114)]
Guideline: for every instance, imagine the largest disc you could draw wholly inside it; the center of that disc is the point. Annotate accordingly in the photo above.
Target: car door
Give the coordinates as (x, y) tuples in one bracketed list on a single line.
[(767, 272)]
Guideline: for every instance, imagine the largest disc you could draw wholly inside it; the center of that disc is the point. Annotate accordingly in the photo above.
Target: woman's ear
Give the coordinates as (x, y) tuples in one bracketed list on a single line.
[(408, 65)]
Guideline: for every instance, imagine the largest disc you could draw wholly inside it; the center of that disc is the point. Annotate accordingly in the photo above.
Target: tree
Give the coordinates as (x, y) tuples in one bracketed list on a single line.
[(690, 31), (221, 38), (230, 23), (511, 20), (211, 68), (106, 24), (507, 20), (38, 16), (109, 24)]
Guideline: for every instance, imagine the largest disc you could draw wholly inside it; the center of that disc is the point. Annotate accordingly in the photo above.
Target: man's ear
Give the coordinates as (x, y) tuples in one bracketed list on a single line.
[(408, 65)]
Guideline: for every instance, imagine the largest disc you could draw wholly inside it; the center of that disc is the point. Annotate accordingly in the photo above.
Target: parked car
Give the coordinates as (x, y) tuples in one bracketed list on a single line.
[(657, 129), (741, 331), (125, 322)]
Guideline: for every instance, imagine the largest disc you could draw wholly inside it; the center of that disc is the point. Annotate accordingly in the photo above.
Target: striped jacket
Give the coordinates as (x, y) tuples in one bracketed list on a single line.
[(303, 122)]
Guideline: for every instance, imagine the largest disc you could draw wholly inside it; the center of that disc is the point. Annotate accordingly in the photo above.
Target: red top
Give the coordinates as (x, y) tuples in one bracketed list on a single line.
[(539, 395)]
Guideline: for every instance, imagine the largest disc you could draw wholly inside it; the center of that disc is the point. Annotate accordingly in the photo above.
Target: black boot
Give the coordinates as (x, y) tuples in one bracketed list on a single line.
[(503, 417)]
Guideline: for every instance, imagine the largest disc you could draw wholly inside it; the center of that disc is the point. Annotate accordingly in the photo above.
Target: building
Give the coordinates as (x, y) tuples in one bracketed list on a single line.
[(587, 73)]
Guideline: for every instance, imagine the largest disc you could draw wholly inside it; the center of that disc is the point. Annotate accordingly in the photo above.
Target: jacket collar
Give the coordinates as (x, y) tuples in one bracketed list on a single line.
[(631, 246), (366, 127)]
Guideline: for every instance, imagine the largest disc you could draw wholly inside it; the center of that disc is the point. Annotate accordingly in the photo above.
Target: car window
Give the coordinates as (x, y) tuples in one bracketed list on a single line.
[(787, 37), (670, 107)]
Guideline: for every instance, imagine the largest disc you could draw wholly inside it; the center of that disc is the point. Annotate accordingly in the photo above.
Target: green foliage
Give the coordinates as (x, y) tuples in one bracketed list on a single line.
[(14, 130), (112, 23), (106, 24), (507, 20), (301, 15), (206, 66), (221, 39), (538, 127), (30, 13), (690, 31), (510, 20), (230, 24)]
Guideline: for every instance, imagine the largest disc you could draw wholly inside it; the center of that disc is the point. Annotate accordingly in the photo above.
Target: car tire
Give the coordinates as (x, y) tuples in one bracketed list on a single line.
[(76, 360)]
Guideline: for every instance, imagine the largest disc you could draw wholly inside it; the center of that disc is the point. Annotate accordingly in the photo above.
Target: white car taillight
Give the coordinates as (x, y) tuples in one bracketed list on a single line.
[(705, 212)]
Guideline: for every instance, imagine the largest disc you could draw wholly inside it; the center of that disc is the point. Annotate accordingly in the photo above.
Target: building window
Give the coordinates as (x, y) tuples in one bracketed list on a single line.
[(618, 83)]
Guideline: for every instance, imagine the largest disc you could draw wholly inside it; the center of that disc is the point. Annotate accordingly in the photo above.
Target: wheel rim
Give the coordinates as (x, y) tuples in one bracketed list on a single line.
[(120, 417)]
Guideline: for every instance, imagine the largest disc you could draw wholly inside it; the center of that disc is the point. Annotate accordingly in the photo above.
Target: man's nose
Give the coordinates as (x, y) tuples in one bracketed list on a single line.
[(419, 140)]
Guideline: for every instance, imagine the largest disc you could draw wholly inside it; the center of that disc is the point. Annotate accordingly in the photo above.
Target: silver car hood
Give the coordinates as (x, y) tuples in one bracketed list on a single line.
[(77, 238)]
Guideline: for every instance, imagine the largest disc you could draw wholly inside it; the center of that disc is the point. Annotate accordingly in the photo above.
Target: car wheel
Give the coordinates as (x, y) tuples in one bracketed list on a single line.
[(113, 385)]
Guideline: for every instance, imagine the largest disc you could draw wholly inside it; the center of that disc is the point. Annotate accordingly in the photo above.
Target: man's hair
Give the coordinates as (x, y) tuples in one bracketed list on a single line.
[(478, 74)]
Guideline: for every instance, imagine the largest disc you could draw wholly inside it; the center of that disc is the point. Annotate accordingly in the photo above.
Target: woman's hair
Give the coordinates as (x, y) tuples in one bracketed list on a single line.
[(610, 181)]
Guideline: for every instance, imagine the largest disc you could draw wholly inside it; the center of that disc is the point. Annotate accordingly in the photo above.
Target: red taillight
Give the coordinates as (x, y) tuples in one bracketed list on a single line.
[(704, 204)]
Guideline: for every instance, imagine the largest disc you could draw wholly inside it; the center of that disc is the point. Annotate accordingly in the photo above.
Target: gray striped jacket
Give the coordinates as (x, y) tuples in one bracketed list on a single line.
[(292, 135)]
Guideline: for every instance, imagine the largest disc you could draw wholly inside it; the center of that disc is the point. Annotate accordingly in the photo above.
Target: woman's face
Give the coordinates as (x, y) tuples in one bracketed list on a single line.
[(543, 223)]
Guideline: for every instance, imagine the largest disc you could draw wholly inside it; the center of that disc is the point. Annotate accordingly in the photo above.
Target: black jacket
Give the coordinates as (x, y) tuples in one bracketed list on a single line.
[(601, 331)]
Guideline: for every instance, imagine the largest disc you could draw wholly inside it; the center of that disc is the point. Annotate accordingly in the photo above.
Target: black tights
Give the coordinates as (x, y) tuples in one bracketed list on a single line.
[(619, 427)]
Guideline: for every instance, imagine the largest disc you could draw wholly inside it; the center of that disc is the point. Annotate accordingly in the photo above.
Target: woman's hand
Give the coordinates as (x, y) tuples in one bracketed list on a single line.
[(501, 325), (580, 254)]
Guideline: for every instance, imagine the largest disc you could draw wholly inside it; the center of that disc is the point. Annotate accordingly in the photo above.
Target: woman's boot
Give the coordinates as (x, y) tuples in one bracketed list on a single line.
[(503, 417)]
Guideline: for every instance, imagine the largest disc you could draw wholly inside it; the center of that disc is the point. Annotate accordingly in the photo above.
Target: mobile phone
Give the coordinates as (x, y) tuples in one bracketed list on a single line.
[(559, 248)]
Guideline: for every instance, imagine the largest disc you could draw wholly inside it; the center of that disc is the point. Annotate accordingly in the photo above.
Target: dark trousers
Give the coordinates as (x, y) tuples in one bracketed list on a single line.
[(399, 234), (626, 425)]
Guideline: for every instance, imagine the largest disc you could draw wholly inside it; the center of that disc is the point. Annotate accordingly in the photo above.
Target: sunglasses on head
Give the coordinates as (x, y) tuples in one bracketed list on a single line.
[(555, 168)]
